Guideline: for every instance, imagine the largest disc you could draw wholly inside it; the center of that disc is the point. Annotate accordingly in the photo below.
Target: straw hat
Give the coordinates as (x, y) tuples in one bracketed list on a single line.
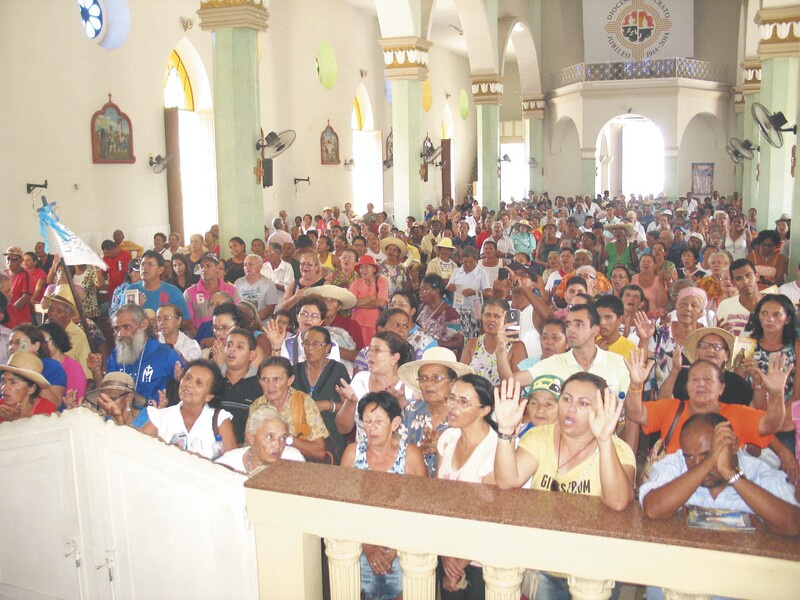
[(445, 243), (366, 260), (626, 226), (345, 297), (27, 366), (394, 241), (438, 355), (13, 251), (784, 217), (523, 223), (62, 295), (117, 381), (690, 349)]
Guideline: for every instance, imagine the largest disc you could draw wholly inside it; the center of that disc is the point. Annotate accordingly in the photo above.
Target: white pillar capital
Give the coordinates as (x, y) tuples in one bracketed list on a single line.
[(751, 76), (533, 107), (487, 89), (779, 30), (224, 14), (405, 57)]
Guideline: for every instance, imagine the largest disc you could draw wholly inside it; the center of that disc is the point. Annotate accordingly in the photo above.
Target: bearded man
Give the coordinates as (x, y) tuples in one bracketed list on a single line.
[(151, 364)]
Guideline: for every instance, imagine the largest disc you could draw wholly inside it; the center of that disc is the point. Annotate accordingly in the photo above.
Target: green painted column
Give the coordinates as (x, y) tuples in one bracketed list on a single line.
[(237, 119), (588, 171), (738, 177), (533, 108), (750, 167), (488, 153), (671, 173), (406, 62)]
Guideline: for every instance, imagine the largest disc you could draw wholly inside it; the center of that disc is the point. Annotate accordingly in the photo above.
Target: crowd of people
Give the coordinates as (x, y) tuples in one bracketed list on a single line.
[(558, 344)]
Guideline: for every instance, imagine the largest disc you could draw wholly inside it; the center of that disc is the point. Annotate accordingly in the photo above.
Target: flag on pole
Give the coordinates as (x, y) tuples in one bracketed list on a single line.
[(72, 248)]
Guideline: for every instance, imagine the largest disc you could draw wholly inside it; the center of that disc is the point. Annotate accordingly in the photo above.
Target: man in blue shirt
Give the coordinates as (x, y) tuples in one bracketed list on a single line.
[(152, 365), (155, 293)]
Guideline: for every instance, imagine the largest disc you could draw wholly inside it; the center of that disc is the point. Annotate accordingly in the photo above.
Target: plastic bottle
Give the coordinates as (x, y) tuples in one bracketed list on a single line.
[(217, 449)]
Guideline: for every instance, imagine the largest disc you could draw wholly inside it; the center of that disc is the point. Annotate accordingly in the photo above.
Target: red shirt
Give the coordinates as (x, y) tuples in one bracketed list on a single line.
[(20, 284), (40, 407), (351, 327), (117, 269), (482, 237)]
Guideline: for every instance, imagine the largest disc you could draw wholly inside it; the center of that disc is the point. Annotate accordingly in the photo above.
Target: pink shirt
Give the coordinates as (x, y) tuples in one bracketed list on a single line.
[(76, 379), (367, 317), (197, 297)]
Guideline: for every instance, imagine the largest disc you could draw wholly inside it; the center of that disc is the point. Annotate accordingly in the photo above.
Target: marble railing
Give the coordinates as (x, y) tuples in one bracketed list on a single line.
[(661, 68), (294, 505)]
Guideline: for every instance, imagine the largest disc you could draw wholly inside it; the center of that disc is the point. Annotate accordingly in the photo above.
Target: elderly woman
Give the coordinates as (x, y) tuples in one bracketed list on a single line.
[(482, 353), (654, 285), (346, 274), (117, 398), (198, 420), (578, 454), (704, 383), (417, 338), (395, 320), (382, 450), (424, 419), (20, 386), (542, 407), (437, 318), (268, 441), (306, 425), (469, 283), (620, 277), (466, 453), (770, 265), (490, 261), (718, 263), (621, 251), (372, 294), (345, 331), (311, 275), (523, 239), (393, 269)]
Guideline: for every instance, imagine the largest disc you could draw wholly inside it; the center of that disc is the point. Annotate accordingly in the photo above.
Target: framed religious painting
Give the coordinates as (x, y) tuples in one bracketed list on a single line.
[(702, 179), (112, 135), (329, 146)]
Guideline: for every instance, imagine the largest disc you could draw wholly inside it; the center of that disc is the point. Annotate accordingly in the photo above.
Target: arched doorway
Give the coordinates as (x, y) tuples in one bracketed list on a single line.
[(630, 156), (189, 134), (367, 155)]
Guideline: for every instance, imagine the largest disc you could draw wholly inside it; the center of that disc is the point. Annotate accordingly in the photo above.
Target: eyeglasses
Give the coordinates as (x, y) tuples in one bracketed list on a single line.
[(707, 345), (13, 258), (168, 318), (221, 328), (376, 349), (433, 378), (312, 344), (308, 315), (461, 403)]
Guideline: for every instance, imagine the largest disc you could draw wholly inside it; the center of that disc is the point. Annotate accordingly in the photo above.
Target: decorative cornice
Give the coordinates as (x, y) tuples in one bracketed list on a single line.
[(406, 57), (779, 30), (233, 14), (533, 107), (487, 89), (751, 76), (738, 100)]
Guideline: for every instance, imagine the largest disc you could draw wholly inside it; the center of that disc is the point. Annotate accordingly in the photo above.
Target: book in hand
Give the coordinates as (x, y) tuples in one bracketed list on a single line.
[(719, 519)]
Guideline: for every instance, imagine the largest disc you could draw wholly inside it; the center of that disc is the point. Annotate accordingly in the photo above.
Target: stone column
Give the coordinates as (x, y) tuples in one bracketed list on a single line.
[(406, 66), (502, 583), (419, 575), (344, 568), (590, 589), (751, 91), (533, 112), (778, 50), (588, 171), (671, 172), (738, 107), (487, 91), (237, 121)]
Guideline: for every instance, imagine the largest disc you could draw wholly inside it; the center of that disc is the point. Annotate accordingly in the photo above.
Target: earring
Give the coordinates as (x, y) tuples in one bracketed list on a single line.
[(128, 407)]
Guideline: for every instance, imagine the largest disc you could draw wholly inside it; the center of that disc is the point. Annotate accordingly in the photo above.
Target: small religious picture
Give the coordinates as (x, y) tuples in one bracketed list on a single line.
[(702, 179), (329, 146), (112, 135)]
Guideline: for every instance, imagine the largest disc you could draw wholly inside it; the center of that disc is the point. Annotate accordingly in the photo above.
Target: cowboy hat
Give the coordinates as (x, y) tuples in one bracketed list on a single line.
[(690, 349), (783, 217), (345, 297), (13, 251), (116, 381), (28, 366), (409, 372), (394, 241), (626, 226), (523, 223), (63, 295), (445, 243)]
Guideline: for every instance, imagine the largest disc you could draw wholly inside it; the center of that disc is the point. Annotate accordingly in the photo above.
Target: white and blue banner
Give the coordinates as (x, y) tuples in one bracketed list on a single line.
[(623, 30)]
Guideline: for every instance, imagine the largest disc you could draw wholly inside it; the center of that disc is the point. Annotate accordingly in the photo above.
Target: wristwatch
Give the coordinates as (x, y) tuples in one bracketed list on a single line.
[(736, 476), (506, 437)]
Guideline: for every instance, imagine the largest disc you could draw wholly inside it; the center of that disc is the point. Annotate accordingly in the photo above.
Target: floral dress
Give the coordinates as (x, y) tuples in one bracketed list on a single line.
[(485, 362), (396, 275), (662, 346), (442, 323), (341, 280), (88, 281)]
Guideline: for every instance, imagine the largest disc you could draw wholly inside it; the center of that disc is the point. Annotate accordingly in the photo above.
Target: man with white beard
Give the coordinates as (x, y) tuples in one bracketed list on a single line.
[(151, 364)]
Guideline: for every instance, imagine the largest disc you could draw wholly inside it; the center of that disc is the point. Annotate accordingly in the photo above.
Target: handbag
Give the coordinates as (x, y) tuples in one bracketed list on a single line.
[(333, 454), (659, 449)]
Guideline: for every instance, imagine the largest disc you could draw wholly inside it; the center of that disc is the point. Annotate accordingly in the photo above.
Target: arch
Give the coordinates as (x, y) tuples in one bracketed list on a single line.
[(479, 35), (396, 18), (618, 168), (560, 130), (197, 74), (713, 123), (447, 122), (362, 110), (516, 32), (177, 85)]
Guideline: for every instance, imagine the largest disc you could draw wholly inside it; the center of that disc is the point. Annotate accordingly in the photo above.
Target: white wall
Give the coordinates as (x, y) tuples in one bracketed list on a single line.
[(699, 145)]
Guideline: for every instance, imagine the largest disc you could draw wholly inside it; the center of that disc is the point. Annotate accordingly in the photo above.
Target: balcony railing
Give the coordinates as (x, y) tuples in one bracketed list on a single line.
[(661, 68), (294, 505)]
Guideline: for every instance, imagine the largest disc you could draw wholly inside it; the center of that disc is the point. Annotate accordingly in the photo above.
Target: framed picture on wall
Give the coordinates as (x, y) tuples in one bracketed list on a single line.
[(390, 146), (702, 179), (329, 146), (112, 135)]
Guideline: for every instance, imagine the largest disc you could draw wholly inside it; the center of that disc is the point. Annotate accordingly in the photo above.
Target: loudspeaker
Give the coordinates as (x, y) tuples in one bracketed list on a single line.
[(266, 164)]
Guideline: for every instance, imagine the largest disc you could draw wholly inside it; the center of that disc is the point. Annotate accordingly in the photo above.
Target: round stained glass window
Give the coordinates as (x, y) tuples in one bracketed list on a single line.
[(91, 17)]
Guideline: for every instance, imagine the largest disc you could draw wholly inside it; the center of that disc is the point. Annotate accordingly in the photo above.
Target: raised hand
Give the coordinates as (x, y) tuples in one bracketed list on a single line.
[(71, 399), (218, 352), (163, 401), (94, 362), (275, 334), (639, 366), (346, 393), (777, 374), (677, 358), (604, 416), (723, 448), (508, 407), (110, 407), (645, 328)]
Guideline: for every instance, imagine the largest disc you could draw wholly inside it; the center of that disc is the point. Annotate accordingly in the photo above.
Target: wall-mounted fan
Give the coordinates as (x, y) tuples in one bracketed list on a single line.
[(429, 154), (275, 143), (388, 163), (533, 163), (740, 150), (771, 124), (159, 163)]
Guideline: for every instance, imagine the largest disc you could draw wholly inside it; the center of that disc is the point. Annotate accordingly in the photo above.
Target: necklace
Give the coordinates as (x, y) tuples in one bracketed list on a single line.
[(560, 464), (311, 386), (138, 369)]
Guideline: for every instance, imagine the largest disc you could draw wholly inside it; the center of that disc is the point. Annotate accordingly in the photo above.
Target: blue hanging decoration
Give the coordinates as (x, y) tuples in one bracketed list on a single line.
[(48, 218)]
